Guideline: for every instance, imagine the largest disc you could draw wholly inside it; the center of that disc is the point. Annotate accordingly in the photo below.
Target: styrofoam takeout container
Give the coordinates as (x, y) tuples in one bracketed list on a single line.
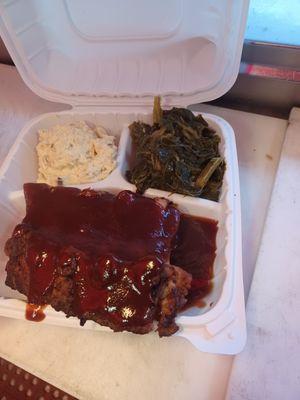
[(108, 60)]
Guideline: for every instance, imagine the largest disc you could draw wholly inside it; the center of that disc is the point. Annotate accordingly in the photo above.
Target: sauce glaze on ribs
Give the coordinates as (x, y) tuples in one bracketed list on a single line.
[(98, 256)]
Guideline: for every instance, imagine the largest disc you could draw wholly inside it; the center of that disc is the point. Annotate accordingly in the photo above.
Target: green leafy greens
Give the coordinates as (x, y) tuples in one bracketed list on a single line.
[(178, 153)]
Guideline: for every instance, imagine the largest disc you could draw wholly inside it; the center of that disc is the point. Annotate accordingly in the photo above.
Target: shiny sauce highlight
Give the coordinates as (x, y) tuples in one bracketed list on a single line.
[(35, 312)]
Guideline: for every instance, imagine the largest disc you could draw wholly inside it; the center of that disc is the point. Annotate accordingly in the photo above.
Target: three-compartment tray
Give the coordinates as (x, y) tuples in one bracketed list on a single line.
[(218, 326), (108, 59)]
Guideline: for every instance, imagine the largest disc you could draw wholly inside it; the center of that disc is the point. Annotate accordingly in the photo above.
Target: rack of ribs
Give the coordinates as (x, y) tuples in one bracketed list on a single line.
[(99, 256)]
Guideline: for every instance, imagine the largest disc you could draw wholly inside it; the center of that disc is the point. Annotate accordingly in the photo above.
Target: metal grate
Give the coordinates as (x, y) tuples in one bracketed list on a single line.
[(17, 384)]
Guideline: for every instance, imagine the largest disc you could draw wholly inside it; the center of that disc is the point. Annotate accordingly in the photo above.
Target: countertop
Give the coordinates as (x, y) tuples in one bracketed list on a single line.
[(99, 365), (268, 368)]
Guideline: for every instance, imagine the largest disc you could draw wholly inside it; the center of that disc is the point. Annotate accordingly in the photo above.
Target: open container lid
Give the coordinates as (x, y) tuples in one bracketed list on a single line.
[(123, 52)]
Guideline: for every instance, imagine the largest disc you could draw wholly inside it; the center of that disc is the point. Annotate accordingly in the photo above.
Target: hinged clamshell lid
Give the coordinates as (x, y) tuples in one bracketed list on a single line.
[(123, 52)]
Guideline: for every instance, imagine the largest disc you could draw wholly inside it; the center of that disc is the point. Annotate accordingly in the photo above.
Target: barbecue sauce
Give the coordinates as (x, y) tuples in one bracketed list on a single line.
[(111, 247), (195, 251), (35, 312)]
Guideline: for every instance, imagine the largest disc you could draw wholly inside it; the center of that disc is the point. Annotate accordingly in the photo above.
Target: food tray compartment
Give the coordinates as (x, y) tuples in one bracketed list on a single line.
[(20, 166)]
